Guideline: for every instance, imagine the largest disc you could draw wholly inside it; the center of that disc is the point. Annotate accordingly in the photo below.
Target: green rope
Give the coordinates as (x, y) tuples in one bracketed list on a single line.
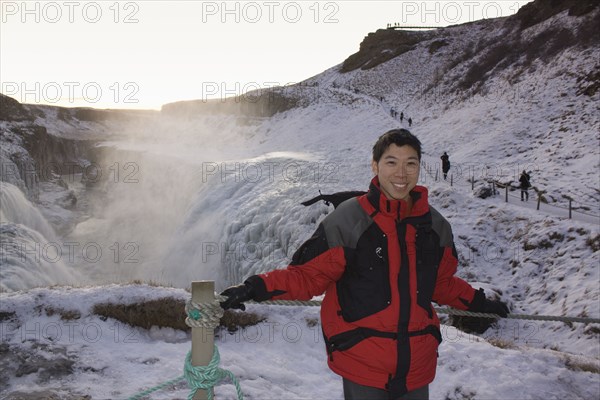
[(156, 388), (200, 377), (206, 377), (195, 314)]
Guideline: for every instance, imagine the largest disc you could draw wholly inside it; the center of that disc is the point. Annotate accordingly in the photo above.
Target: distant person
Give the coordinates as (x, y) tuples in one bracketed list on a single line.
[(401, 116), (381, 259), (525, 181), (445, 164), (410, 122)]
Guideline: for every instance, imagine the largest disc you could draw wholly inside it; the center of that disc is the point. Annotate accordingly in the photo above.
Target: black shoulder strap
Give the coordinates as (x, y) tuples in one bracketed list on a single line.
[(335, 198)]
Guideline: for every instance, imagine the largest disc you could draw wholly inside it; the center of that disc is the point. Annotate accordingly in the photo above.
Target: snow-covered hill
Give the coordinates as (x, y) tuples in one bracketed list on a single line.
[(192, 193)]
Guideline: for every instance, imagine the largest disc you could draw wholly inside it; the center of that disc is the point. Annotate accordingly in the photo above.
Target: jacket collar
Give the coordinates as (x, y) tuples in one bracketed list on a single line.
[(398, 209)]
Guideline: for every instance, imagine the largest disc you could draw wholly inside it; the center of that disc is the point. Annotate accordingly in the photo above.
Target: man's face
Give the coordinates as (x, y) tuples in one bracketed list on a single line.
[(398, 171)]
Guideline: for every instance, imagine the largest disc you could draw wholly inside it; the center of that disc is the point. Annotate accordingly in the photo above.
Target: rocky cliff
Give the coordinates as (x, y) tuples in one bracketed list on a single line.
[(39, 143), (386, 44), (258, 103)]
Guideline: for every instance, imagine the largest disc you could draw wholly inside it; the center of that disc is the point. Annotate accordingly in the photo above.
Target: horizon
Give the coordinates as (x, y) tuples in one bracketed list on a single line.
[(141, 55)]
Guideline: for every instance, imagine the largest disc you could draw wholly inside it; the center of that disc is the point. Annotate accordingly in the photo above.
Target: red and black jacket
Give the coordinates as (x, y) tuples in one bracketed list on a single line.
[(380, 269)]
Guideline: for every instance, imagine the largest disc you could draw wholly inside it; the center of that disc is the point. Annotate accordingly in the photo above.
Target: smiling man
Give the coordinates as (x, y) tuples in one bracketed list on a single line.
[(397, 167), (381, 259)]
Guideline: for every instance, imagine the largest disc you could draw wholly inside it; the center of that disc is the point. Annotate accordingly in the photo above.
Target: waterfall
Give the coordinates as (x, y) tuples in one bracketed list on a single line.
[(30, 255), (15, 208), (29, 260), (243, 223)]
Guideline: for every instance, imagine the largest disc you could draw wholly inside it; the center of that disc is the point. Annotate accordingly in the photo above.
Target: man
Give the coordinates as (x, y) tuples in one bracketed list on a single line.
[(380, 259), (445, 164), (525, 185)]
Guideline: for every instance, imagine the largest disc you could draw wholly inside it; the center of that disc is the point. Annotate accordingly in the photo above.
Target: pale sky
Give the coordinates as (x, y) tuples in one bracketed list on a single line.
[(143, 54)]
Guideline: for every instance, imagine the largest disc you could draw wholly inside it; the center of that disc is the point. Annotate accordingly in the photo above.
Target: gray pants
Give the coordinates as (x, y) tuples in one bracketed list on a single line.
[(354, 391)]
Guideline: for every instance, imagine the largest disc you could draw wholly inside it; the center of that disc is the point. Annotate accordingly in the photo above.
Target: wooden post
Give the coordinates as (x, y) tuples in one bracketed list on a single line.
[(203, 339), (570, 208), (436, 174), (506, 193), (539, 195), (451, 180), (472, 175)]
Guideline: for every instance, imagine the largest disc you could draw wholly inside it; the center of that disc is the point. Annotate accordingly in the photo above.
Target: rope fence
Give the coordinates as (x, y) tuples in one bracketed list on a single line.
[(203, 314), (454, 311), (578, 207)]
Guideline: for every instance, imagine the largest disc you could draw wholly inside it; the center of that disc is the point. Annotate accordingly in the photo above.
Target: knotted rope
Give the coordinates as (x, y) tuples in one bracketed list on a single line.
[(201, 377), (206, 377), (206, 315)]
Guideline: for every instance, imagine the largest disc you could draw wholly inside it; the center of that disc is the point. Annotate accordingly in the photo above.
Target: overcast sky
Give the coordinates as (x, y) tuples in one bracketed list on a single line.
[(142, 54)]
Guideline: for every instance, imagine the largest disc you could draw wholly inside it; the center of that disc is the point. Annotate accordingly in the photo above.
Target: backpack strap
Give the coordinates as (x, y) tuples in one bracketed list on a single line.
[(335, 198), (314, 200)]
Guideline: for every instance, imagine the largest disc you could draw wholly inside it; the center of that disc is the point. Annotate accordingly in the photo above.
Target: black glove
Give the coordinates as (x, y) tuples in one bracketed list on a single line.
[(237, 295), (495, 307), (482, 304)]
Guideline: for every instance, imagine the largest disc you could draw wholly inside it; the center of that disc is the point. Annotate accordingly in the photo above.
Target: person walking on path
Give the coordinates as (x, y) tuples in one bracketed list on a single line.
[(525, 184), (445, 164), (410, 122), (381, 259)]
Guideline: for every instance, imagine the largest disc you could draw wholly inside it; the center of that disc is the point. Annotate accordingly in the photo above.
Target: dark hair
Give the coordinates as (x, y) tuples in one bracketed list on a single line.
[(399, 137)]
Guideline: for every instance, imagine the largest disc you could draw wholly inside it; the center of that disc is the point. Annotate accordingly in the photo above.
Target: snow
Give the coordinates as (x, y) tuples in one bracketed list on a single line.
[(282, 357), (218, 198)]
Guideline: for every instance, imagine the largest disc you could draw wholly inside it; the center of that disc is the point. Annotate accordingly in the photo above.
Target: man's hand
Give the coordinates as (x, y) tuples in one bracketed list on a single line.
[(482, 304), (236, 296), (495, 307)]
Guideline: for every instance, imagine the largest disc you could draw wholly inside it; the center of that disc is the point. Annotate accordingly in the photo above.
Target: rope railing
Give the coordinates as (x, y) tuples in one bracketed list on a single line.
[(204, 316), (454, 311)]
